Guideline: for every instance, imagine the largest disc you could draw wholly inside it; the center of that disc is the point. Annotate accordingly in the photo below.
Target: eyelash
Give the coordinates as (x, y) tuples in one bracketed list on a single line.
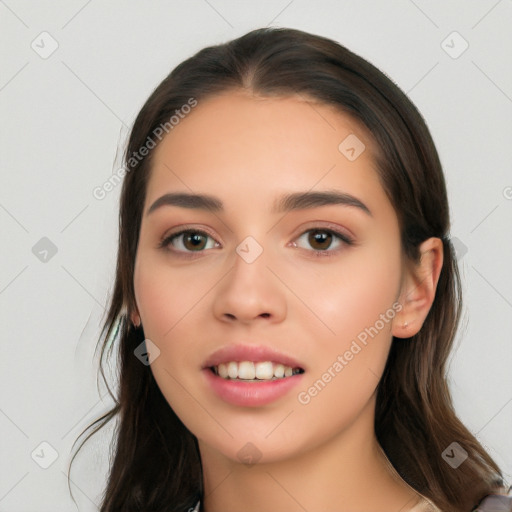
[(345, 239)]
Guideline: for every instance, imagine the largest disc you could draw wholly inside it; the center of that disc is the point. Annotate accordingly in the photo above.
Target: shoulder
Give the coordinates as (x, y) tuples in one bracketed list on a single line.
[(490, 503), (496, 503)]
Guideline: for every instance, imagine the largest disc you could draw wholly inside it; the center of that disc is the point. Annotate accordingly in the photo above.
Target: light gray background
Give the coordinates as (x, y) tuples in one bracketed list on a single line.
[(65, 117)]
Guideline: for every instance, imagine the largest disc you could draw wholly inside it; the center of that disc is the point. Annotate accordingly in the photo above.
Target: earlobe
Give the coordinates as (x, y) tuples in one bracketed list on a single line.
[(135, 318), (419, 289)]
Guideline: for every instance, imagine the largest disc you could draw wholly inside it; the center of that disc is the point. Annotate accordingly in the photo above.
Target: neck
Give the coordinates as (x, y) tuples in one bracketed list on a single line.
[(348, 472)]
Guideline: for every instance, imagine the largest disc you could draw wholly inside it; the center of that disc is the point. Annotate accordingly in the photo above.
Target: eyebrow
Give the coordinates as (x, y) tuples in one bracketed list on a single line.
[(286, 203)]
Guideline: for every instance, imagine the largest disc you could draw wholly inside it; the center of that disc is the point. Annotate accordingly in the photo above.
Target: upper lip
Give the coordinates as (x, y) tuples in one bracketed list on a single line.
[(255, 353)]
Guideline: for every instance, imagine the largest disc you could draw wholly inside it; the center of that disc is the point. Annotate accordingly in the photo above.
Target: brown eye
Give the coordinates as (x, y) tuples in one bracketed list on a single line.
[(188, 241), (320, 239), (194, 241)]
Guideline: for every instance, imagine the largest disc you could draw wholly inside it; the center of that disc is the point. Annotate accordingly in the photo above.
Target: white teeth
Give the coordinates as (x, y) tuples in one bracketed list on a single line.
[(247, 370), (223, 370), (279, 371), (232, 370), (264, 370)]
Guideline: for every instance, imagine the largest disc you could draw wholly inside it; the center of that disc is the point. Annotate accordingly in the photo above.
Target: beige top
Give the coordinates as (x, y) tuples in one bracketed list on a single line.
[(423, 504)]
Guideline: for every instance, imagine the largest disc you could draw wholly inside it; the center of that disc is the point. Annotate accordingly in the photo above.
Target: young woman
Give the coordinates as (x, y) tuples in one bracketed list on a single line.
[(286, 294)]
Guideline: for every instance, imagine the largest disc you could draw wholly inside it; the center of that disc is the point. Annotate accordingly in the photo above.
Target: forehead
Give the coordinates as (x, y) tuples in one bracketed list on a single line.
[(239, 142)]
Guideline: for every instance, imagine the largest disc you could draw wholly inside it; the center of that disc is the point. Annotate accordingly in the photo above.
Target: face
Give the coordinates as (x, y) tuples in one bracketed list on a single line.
[(313, 286)]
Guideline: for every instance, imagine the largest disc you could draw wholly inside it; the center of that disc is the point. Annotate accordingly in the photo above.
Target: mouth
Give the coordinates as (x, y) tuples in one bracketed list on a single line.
[(251, 371), (249, 375)]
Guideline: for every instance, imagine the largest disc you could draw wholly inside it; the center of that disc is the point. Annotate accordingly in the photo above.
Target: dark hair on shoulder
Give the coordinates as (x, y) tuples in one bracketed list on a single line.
[(156, 464)]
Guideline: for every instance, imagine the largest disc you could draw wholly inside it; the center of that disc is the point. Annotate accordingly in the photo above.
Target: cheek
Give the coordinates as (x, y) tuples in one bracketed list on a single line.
[(167, 300), (172, 302), (166, 296), (340, 300), (356, 306)]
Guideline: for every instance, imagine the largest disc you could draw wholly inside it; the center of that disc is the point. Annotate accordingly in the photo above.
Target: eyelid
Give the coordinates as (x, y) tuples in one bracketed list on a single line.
[(188, 227), (321, 224)]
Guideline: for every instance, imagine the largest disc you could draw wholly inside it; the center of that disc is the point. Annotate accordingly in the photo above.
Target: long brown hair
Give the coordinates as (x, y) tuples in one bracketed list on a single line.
[(156, 464)]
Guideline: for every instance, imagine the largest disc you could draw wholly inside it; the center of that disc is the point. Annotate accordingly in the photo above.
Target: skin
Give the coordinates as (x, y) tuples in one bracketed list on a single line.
[(247, 150)]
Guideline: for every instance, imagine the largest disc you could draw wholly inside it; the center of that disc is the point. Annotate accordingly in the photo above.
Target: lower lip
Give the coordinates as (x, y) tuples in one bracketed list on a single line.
[(250, 394)]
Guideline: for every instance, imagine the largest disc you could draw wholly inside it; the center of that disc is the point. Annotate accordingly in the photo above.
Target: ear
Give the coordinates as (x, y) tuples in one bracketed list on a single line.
[(418, 289), (135, 318)]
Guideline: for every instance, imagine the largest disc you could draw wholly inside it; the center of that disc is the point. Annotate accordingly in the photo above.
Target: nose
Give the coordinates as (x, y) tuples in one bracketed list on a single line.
[(250, 291)]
